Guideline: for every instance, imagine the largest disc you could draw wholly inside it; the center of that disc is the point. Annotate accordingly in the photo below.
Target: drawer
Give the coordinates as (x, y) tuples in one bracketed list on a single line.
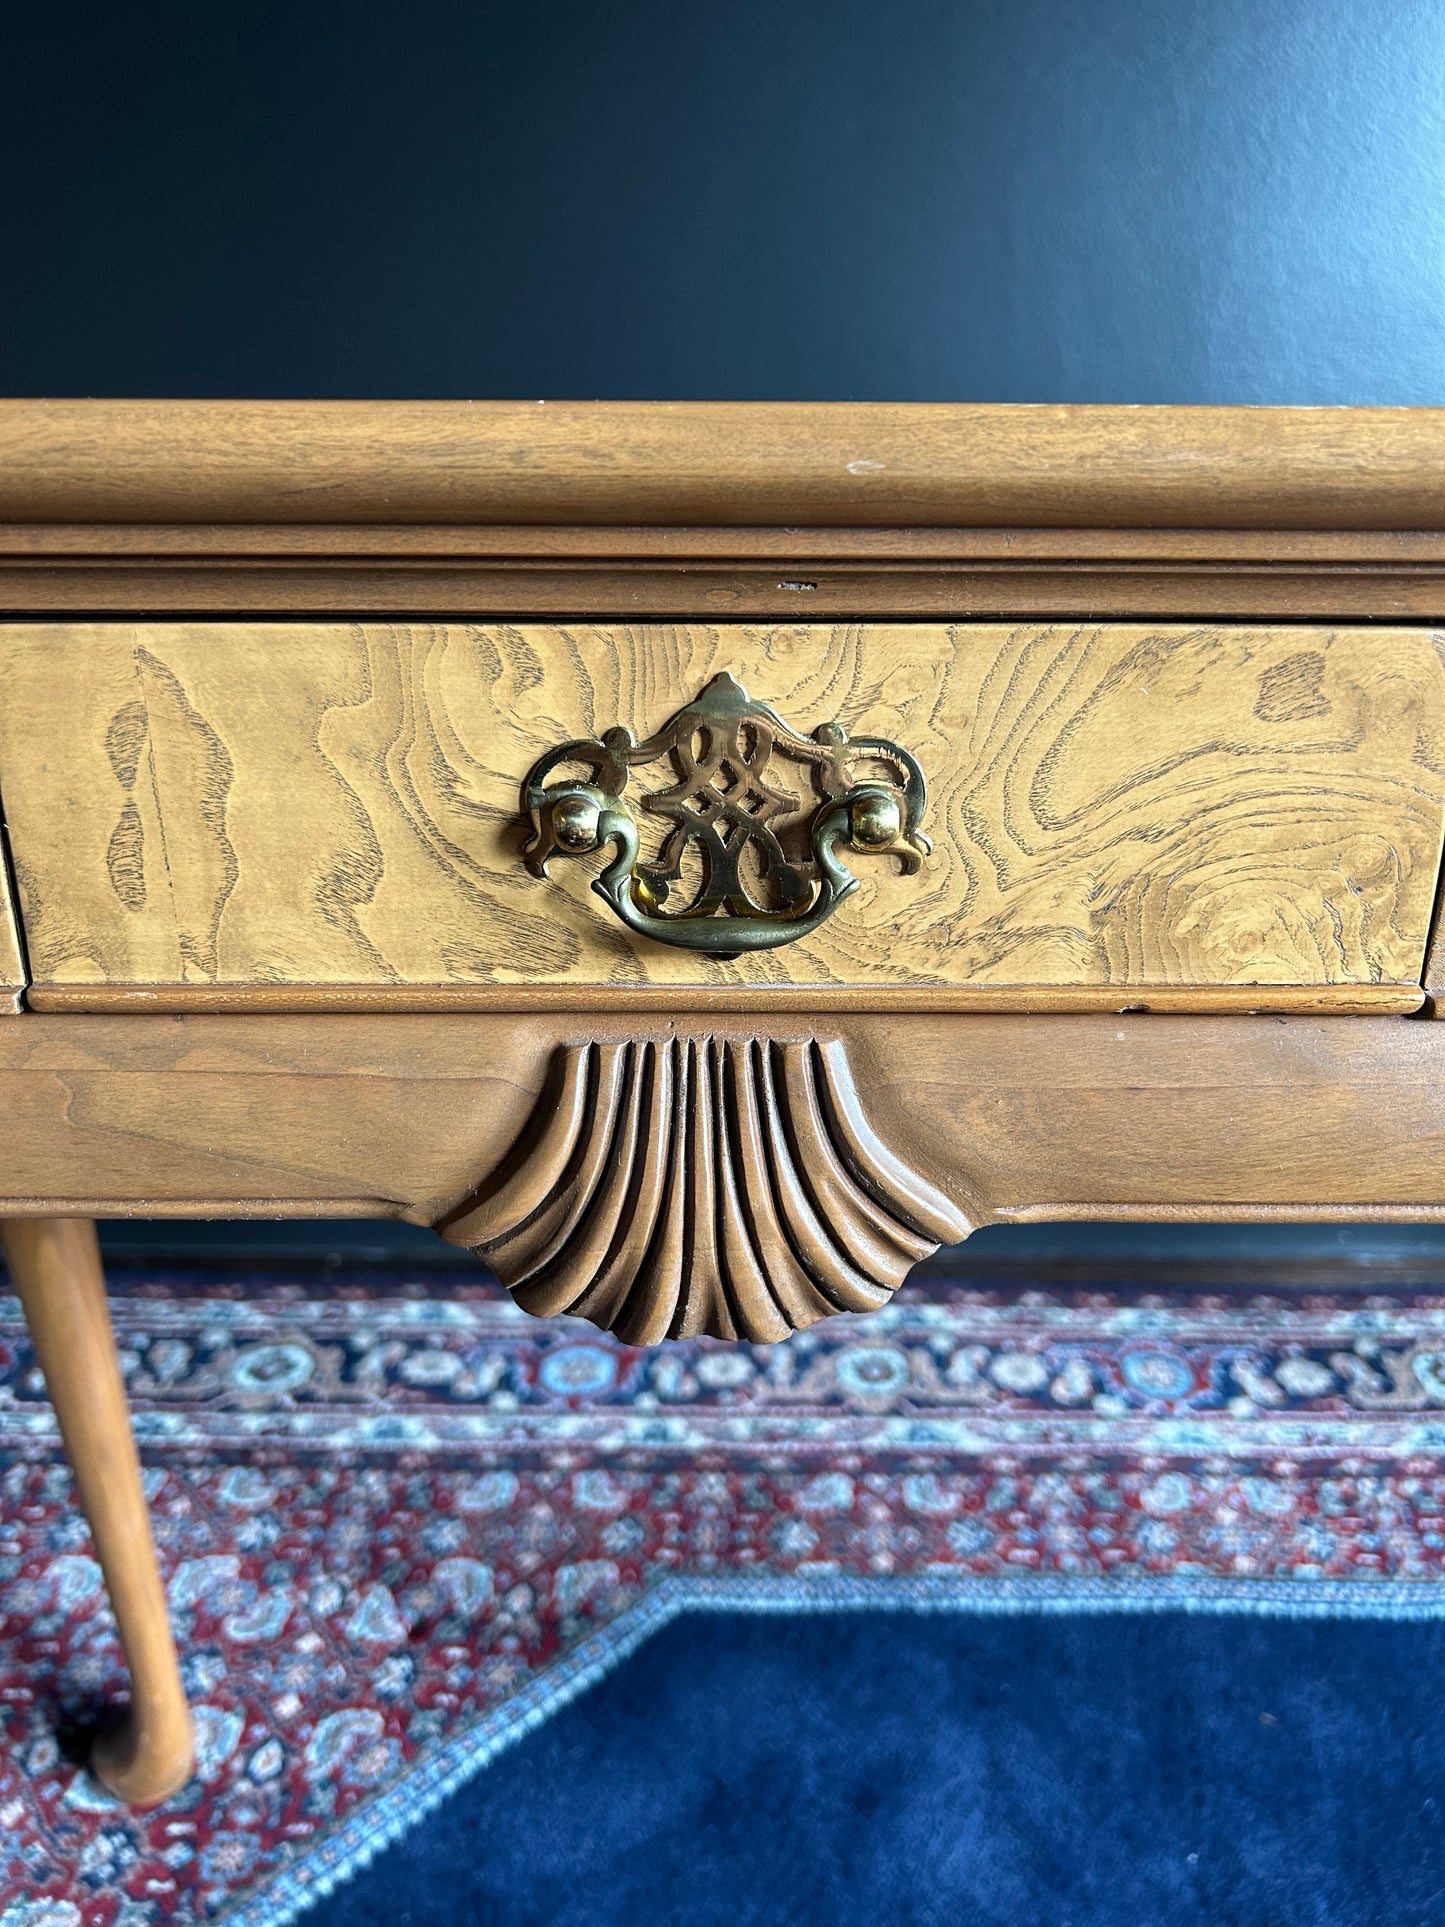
[(1123, 812)]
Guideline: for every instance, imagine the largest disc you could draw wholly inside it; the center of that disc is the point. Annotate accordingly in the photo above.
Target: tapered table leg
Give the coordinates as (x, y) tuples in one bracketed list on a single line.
[(56, 1269)]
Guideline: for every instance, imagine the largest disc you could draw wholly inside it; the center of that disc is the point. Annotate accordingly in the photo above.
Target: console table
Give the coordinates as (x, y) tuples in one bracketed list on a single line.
[(702, 857)]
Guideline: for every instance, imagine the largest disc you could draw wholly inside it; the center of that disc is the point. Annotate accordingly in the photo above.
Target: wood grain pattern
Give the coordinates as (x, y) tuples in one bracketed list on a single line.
[(265, 804), (602, 542), (784, 463), (638, 572), (1008, 1117), (648, 588), (659, 1000), (652, 592), (55, 1269), (725, 1186)]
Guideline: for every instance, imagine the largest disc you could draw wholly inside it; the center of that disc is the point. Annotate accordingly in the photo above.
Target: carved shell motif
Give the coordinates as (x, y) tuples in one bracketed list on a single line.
[(732, 1187)]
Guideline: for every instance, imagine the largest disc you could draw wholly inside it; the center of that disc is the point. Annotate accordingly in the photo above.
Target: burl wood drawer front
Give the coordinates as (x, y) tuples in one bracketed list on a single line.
[(1120, 806)]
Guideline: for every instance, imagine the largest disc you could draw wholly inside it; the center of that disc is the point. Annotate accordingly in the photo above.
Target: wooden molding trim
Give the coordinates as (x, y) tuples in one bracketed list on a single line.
[(842, 573), (647, 589), (350, 542), (768, 464), (721, 1186), (1267, 1000), (1065, 1213)]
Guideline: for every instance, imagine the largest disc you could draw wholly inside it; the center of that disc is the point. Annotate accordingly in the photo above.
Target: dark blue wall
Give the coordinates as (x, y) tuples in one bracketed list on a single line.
[(1101, 200)]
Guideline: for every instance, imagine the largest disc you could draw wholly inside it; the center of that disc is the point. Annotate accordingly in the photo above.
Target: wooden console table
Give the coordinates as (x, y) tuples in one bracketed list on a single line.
[(701, 857)]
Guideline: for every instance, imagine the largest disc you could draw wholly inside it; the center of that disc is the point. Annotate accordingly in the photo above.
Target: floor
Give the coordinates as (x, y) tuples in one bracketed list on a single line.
[(405, 1527)]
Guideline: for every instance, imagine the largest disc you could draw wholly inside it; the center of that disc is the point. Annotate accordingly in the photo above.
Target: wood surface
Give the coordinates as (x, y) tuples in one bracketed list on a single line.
[(648, 590), (707, 1185), (786, 463), (1433, 1001), (847, 573), (12, 962), (265, 804), (642, 542), (1009, 1117), (55, 1268), (654, 1001)]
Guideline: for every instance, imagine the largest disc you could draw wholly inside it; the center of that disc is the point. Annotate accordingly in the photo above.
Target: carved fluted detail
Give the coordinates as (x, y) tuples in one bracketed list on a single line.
[(733, 1187)]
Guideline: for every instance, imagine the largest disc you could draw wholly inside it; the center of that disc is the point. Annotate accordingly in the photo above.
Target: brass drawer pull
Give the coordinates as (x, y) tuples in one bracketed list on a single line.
[(770, 868)]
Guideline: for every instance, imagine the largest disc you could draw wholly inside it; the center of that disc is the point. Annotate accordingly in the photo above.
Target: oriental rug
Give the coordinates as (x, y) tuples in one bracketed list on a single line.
[(401, 1530)]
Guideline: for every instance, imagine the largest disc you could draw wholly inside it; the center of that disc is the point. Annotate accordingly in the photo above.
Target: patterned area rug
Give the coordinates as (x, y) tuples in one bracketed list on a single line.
[(398, 1531)]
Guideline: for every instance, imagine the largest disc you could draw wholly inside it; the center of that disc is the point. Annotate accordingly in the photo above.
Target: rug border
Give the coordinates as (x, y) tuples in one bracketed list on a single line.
[(383, 1821)]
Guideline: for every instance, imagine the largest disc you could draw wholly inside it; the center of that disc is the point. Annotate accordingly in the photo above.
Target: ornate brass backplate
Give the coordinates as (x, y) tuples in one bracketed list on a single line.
[(769, 863)]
